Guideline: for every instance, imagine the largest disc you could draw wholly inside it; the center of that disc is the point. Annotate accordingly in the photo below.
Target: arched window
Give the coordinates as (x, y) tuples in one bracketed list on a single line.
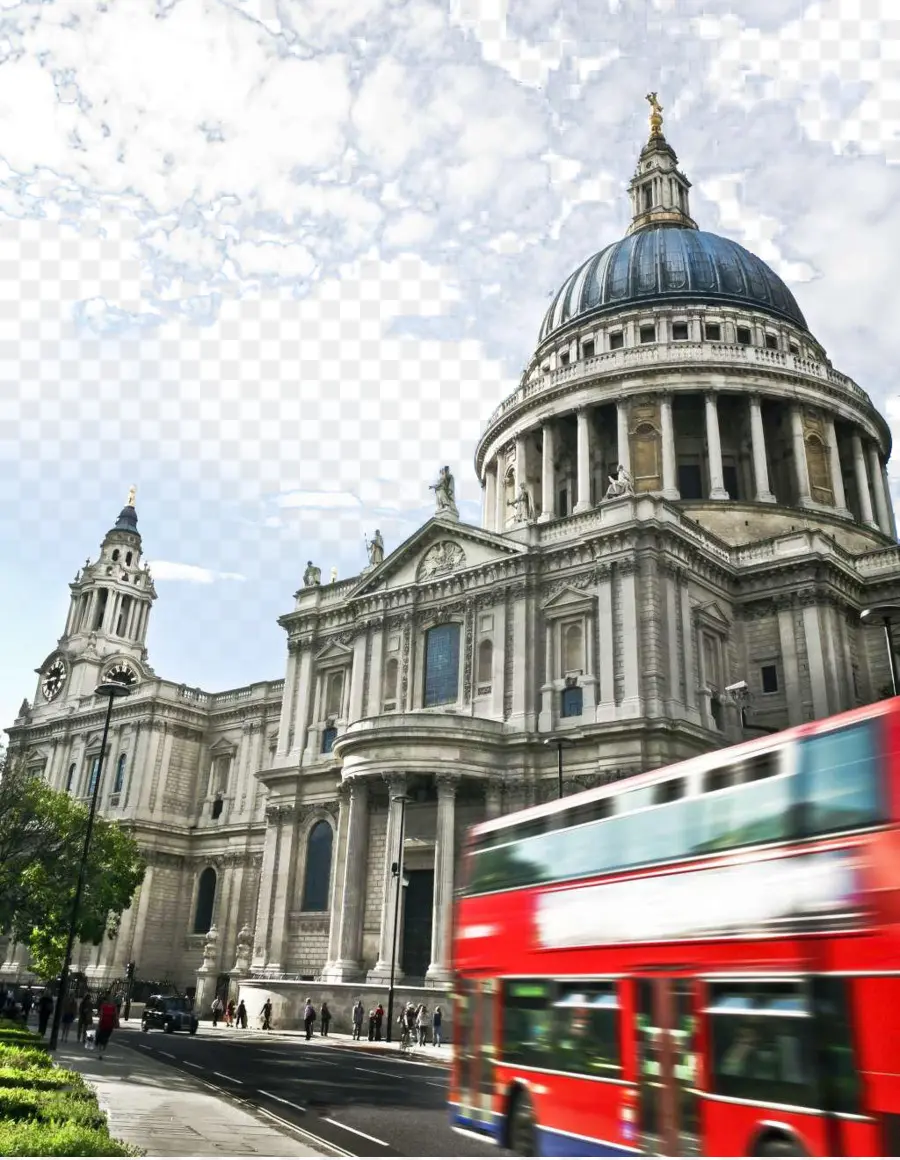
[(206, 897), (573, 649), (485, 662), (317, 878), (819, 470), (335, 688), (93, 775), (442, 665), (119, 783), (70, 777), (390, 681)]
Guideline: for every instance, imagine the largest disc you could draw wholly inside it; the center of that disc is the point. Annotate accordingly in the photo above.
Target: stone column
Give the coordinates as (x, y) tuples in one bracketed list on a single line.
[(815, 656), (548, 474), (714, 443), (287, 700), (623, 447), (760, 464), (790, 664), (382, 969), (490, 497), (493, 794), (445, 860), (351, 904), (669, 470), (521, 465), (281, 889), (583, 456), (376, 673), (502, 510), (837, 478), (801, 468), (877, 477), (606, 675), (300, 703), (862, 482), (338, 870), (266, 890), (357, 679), (626, 576), (890, 503)]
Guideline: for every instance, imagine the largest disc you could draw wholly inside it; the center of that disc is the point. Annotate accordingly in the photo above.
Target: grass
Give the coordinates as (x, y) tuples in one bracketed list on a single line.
[(46, 1110)]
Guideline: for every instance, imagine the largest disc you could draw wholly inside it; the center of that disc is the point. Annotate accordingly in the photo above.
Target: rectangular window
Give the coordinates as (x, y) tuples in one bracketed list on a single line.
[(771, 342), (572, 702), (690, 481), (616, 340), (769, 677), (730, 479), (834, 1044), (794, 349), (586, 1030), (744, 336), (93, 776), (587, 348), (713, 332), (679, 331), (564, 358), (562, 503), (840, 787), (329, 736), (442, 665), (647, 333), (762, 1043), (527, 1023)]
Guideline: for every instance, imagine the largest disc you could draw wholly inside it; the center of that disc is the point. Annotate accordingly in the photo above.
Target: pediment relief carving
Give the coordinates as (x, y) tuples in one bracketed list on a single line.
[(442, 558)]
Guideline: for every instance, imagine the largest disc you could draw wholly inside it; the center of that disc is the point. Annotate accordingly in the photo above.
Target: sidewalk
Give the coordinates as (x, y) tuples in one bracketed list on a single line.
[(167, 1113), (438, 1056)]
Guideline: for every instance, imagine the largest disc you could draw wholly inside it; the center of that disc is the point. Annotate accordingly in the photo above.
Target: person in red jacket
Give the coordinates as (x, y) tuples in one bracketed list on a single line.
[(107, 1022)]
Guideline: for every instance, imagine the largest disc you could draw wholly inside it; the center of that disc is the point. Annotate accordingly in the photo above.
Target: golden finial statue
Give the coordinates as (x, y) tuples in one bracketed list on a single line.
[(655, 115), (132, 492)]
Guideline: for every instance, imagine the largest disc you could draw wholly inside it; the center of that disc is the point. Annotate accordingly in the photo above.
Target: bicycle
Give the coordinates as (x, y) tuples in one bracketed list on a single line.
[(405, 1039)]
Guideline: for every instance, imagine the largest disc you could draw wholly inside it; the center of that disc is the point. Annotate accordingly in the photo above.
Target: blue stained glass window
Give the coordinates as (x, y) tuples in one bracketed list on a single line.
[(572, 702), (318, 867), (442, 665), (329, 736), (94, 774), (119, 783)]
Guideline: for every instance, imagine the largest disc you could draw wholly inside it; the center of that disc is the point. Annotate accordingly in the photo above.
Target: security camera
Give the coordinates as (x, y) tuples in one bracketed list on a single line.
[(737, 687)]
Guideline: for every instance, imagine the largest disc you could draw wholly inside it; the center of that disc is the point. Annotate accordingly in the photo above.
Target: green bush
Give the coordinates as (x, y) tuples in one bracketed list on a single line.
[(41, 1079), (75, 1107), (23, 1057), (30, 1138)]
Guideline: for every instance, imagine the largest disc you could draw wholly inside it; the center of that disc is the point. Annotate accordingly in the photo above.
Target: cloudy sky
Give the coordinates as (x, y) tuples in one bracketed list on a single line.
[(276, 261)]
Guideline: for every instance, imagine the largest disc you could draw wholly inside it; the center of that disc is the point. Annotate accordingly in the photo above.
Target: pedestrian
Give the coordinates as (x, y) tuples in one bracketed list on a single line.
[(326, 1017), (229, 1014), (372, 1025), (27, 1003), (309, 1018), (379, 1019), (436, 1019), (267, 1015), (358, 1013), (70, 1010), (45, 1010), (217, 1009), (85, 1017), (241, 1015), (422, 1024), (107, 1022)]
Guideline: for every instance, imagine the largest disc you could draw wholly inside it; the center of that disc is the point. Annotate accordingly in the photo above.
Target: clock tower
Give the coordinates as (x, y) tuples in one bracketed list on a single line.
[(106, 628)]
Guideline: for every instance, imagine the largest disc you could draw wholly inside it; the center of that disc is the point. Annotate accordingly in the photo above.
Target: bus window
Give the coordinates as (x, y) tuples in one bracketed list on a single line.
[(526, 1023), (669, 791), (586, 1030), (840, 782), (834, 1044)]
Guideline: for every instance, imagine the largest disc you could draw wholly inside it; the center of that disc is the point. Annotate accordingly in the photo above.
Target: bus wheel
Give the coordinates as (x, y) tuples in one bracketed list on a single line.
[(522, 1128), (779, 1146)]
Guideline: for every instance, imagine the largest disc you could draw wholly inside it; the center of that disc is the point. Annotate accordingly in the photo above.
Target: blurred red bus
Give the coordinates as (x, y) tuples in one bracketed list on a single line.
[(702, 960)]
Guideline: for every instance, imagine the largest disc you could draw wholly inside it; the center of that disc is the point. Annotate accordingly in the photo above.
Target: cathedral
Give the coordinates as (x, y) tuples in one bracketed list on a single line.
[(685, 510)]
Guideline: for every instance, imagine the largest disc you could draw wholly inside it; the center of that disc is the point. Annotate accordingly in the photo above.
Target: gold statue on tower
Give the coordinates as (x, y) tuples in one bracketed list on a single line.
[(132, 492), (655, 115)]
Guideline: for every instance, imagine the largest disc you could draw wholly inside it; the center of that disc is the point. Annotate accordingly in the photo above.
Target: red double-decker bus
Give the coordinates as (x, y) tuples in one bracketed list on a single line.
[(702, 960)]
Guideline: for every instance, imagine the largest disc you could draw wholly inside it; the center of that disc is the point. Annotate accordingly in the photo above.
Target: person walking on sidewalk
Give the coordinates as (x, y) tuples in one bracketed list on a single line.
[(422, 1024), (85, 1017), (218, 1008), (309, 1018), (372, 1025), (326, 1017), (358, 1012), (107, 1022), (267, 1015), (379, 1019), (70, 1010), (45, 1010), (229, 1014), (436, 1019), (241, 1015)]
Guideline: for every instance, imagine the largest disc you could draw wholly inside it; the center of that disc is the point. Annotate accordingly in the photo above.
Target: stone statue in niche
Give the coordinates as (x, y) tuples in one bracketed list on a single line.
[(444, 494), (622, 485), (375, 550), (522, 505), (312, 575)]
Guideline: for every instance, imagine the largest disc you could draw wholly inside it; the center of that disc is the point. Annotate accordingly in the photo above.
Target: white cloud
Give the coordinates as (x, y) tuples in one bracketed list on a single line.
[(320, 500), (189, 573)]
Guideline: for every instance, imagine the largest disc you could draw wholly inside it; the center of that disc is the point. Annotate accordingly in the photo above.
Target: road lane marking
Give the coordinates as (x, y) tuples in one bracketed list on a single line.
[(198, 1066), (144, 1047), (371, 1071), (355, 1131), (230, 1079), (269, 1096), (302, 1132), (167, 1054)]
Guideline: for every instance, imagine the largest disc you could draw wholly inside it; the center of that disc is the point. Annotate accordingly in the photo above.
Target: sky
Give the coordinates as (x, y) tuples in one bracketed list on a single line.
[(274, 262)]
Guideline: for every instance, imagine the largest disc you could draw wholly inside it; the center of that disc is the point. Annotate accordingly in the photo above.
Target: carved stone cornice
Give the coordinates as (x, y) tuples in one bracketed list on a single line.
[(163, 859), (280, 813), (396, 782), (626, 567), (447, 784)]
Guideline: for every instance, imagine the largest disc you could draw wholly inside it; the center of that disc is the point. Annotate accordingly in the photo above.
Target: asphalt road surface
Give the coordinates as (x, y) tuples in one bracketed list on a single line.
[(360, 1102)]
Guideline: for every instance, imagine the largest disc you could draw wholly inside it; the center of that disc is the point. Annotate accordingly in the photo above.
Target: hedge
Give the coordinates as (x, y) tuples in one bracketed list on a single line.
[(30, 1138)]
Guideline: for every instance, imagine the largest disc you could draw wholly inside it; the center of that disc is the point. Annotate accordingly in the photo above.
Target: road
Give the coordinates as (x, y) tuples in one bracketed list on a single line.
[(360, 1101)]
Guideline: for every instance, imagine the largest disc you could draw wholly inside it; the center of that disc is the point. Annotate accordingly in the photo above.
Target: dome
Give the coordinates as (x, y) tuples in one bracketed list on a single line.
[(666, 265)]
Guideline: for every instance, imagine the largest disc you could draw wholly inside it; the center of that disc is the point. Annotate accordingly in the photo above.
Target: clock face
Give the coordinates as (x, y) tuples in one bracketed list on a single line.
[(122, 673), (54, 679)]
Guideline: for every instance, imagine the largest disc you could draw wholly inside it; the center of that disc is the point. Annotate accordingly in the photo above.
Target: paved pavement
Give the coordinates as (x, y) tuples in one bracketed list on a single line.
[(357, 1099), (438, 1056), (169, 1113)]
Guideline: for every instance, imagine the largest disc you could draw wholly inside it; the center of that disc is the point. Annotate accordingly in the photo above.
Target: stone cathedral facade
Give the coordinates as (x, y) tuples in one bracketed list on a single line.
[(685, 510)]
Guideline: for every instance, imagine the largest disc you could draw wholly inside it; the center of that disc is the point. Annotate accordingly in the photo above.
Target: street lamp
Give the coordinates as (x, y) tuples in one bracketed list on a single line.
[(397, 871), (884, 615), (111, 690), (559, 742)]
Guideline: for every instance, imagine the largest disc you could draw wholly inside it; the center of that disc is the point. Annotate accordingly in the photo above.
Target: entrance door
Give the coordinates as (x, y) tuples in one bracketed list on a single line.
[(667, 1064), (418, 903)]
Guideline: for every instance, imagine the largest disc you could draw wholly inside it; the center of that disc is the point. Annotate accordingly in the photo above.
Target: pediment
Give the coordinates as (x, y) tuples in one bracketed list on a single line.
[(713, 614), (439, 548), (567, 598), (335, 653), (223, 748)]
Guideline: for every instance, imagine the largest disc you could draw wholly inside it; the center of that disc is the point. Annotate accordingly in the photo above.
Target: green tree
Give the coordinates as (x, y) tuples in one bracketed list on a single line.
[(41, 841)]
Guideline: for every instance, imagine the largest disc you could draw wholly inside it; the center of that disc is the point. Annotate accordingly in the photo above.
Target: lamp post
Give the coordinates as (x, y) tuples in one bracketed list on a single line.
[(397, 870), (111, 690), (559, 742), (884, 615)]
